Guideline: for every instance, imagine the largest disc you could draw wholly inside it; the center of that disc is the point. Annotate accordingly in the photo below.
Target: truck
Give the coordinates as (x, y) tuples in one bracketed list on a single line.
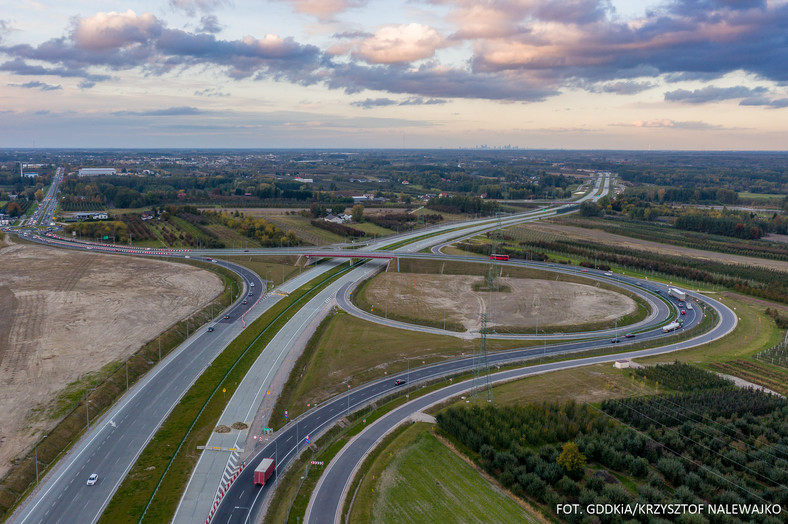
[(673, 326), (264, 471), (677, 293)]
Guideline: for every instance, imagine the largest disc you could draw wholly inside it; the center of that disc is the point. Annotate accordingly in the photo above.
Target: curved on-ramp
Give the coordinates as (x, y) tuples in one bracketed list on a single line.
[(329, 494)]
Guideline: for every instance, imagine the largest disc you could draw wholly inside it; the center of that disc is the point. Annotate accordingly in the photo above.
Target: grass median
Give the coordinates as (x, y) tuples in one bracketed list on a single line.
[(162, 470)]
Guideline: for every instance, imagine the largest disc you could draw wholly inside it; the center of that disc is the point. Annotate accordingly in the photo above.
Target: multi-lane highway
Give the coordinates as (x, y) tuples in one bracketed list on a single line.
[(119, 436), (328, 497), (243, 500)]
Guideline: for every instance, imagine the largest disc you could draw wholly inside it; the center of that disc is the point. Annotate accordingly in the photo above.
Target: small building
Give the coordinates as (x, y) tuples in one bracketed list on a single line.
[(93, 216), (97, 171), (30, 175), (622, 364)]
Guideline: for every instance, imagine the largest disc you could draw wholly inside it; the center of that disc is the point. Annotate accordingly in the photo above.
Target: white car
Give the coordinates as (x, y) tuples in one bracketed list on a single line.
[(92, 479)]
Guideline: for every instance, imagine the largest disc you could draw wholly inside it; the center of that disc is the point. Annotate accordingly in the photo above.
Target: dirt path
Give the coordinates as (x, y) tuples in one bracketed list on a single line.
[(65, 313), (596, 235)]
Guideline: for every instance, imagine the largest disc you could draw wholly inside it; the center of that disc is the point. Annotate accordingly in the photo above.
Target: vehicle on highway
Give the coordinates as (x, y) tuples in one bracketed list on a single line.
[(608, 273), (671, 327), (209, 259), (499, 257), (250, 294), (615, 340), (92, 479), (210, 329), (689, 306), (251, 284), (245, 302), (683, 312), (400, 381), (226, 317), (264, 471), (584, 271), (630, 335)]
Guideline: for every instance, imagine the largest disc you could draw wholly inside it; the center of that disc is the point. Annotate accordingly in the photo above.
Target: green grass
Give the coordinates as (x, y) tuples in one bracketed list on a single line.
[(162, 470), (276, 268), (746, 195), (754, 332), (372, 229), (347, 350), (303, 228), (418, 479)]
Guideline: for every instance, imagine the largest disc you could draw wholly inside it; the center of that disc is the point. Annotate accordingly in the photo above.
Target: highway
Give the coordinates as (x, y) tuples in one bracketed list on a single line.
[(328, 497), (240, 503), (117, 438), (112, 445), (119, 435)]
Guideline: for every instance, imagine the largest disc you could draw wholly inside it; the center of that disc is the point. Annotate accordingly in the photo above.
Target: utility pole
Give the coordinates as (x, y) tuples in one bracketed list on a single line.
[(159, 348), (127, 375)]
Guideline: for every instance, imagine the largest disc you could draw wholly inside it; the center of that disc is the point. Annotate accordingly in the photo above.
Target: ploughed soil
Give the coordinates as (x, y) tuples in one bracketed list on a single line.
[(548, 302), (597, 235), (66, 313)]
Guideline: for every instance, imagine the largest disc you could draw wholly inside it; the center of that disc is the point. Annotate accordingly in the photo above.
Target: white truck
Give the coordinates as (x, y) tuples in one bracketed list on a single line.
[(673, 326), (677, 293)]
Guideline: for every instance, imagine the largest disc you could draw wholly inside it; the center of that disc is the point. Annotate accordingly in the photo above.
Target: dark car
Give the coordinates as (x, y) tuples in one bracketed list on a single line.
[(615, 340), (244, 302), (226, 317), (400, 381), (210, 329)]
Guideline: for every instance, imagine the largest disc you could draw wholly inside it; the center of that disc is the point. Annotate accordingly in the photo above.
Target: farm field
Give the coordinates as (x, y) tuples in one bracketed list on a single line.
[(64, 314), (597, 235), (419, 479)]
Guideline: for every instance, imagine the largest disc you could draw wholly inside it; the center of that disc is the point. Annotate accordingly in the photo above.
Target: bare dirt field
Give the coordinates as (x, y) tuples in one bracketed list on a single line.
[(65, 313), (665, 249), (554, 303)]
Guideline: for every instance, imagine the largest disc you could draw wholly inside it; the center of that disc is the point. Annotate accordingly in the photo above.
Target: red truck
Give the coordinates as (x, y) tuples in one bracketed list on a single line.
[(264, 471)]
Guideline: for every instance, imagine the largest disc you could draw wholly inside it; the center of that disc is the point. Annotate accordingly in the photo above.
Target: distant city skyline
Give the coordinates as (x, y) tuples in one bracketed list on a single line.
[(531, 74)]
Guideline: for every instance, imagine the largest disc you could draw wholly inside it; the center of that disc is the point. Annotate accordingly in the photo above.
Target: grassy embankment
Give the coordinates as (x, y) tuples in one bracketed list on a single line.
[(435, 267), (276, 269), (162, 470), (103, 388), (413, 477)]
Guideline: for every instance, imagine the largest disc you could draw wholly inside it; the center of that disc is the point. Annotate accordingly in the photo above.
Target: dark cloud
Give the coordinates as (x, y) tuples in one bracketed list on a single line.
[(210, 92), (123, 41), (776, 103), (430, 82), (624, 87), (419, 101), (170, 111), (712, 94), (374, 102), (209, 24), (38, 85), (20, 67)]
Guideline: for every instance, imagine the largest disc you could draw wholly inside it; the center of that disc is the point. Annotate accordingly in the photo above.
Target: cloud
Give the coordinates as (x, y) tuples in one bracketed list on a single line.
[(624, 87), (124, 41), (772, 103), (325, 9), (192, 7), (433, 81), (369, 103), (712, 94), (667, 123), (374, 102), (419, 101), (170, 111), (209, 24), (210, 92), (393, 44), (38, 85)]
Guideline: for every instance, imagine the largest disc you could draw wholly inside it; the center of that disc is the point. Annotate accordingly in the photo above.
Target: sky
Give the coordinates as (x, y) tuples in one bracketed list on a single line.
[(537, 74)]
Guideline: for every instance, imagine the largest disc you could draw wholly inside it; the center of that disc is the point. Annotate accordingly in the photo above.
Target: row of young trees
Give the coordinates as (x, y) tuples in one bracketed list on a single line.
[(698, 457), (682, 377)]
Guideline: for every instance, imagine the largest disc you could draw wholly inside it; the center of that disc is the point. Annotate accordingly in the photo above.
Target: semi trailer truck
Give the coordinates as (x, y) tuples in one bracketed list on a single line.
[(677, 293), (264, 471)]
